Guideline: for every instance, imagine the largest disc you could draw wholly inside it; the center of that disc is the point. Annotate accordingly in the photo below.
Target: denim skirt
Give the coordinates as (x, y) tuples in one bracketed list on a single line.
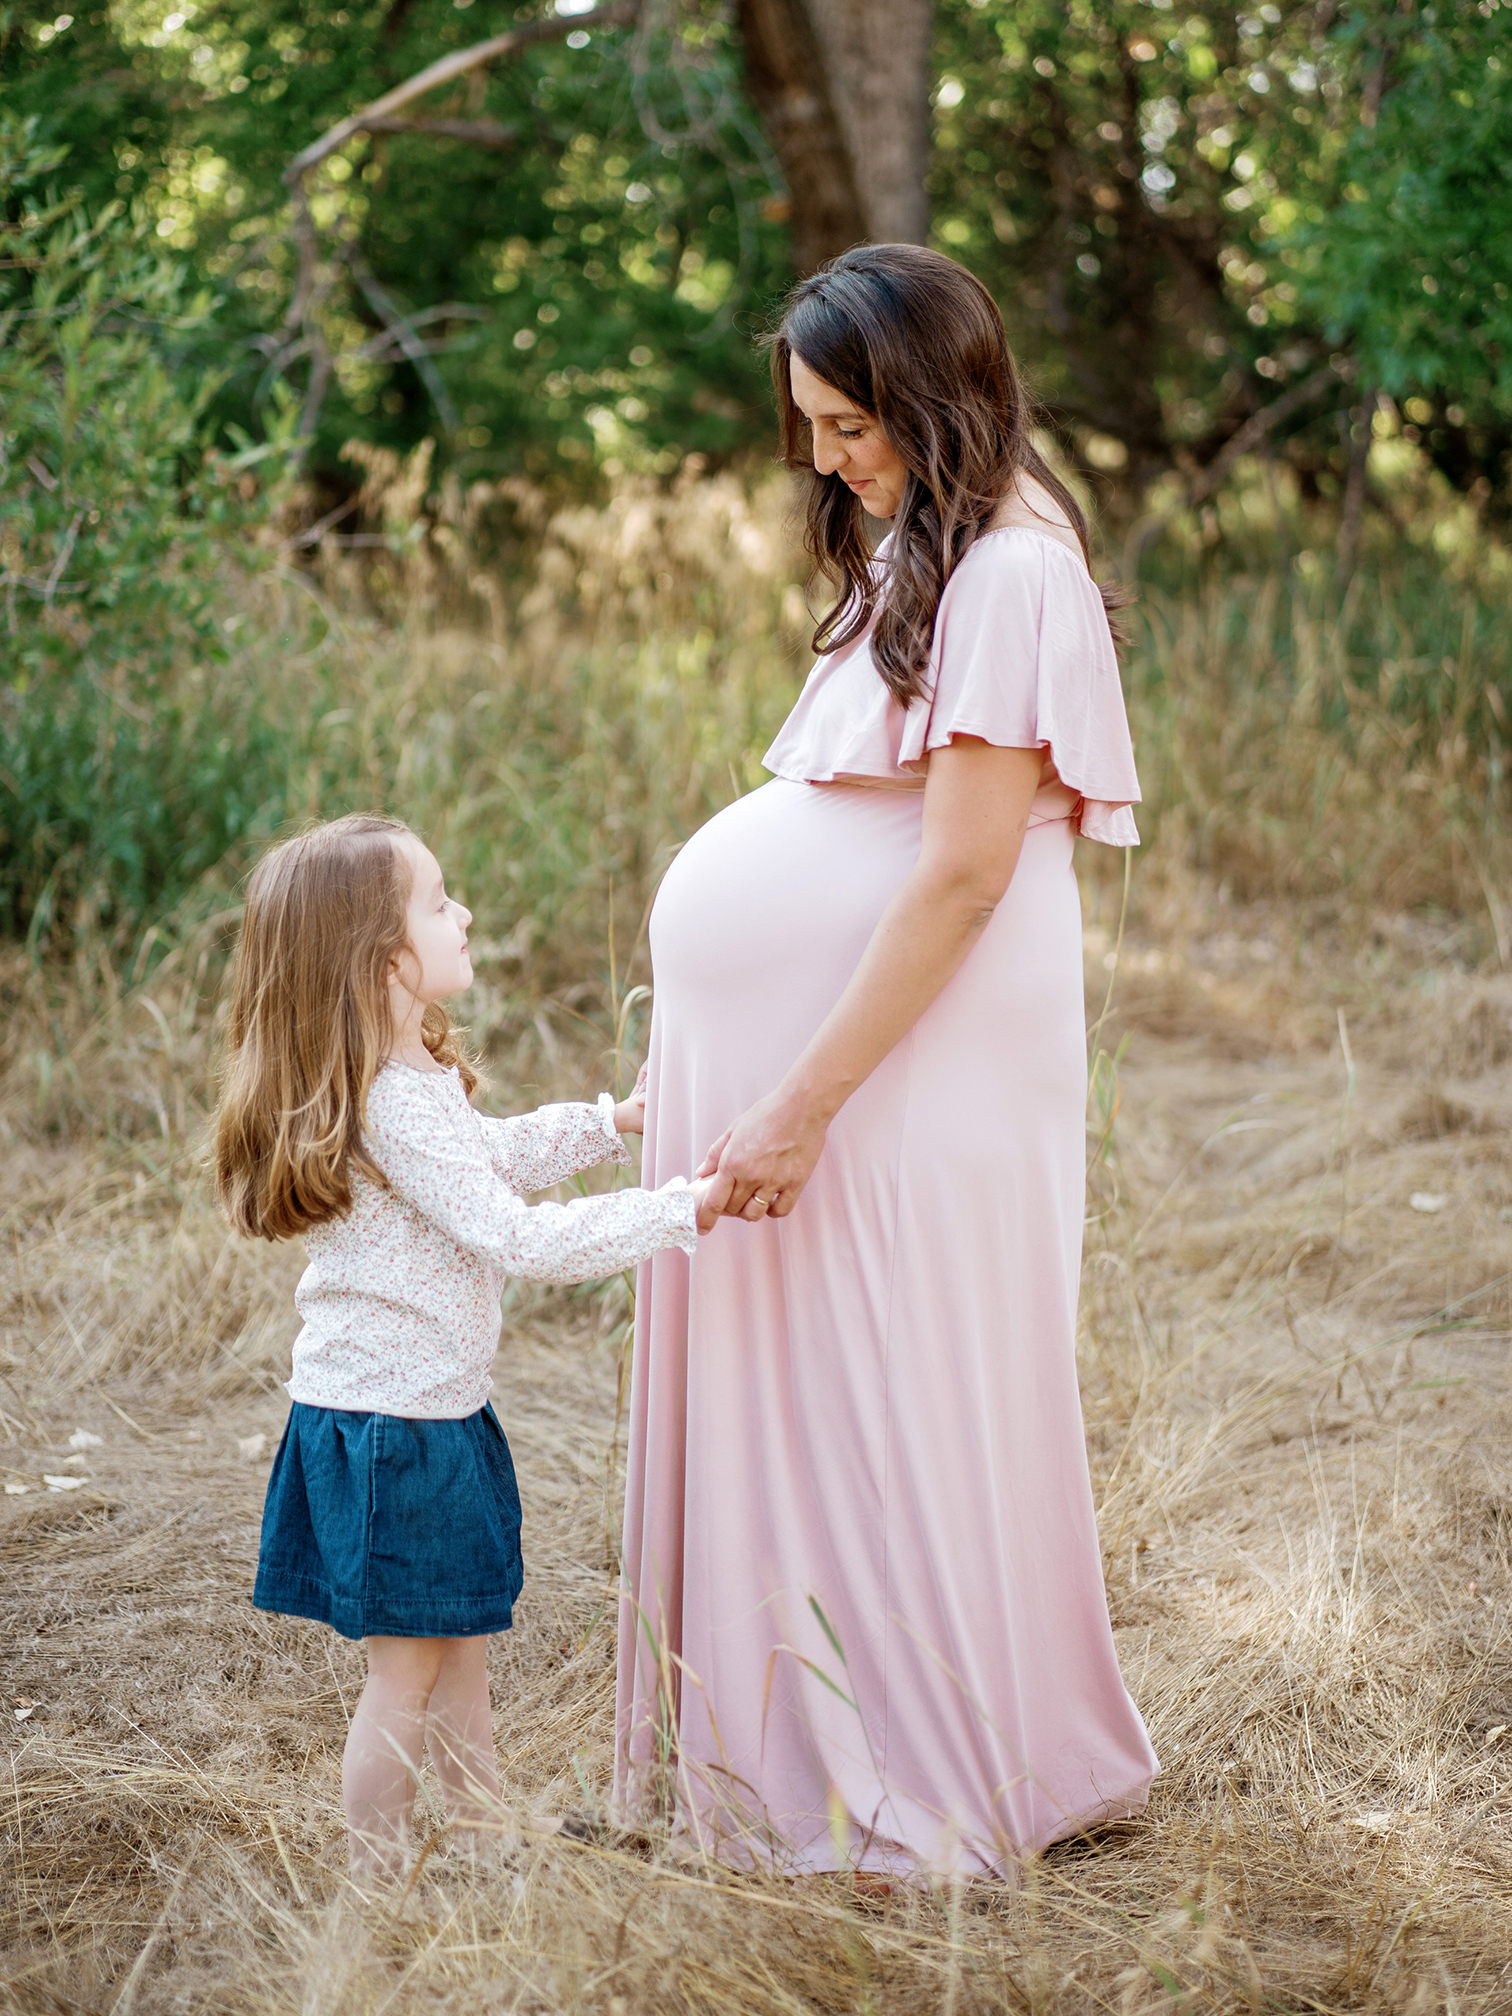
[(380, 1526)]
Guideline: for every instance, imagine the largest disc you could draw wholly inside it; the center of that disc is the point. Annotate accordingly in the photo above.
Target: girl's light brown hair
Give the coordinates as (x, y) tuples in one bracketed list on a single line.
[(914, 339), (310, 1024)]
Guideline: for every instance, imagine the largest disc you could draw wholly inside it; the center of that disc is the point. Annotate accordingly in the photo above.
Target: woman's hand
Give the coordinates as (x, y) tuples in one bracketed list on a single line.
[(630, 1114), (768, 1155), (709, 1197)]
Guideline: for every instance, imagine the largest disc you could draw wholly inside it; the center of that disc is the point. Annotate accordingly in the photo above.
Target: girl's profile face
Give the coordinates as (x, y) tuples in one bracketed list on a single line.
[(437, 962), (848, 442)]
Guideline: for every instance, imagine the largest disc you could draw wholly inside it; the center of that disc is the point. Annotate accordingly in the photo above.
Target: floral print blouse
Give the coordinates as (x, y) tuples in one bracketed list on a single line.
[(401, 1297)]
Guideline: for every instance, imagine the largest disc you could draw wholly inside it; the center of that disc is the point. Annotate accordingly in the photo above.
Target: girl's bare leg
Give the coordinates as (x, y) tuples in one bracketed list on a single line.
[(459, 1735), (382, 1759)]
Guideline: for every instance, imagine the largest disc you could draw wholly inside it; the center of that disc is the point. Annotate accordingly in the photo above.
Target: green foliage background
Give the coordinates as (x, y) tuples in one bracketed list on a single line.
[(1181, 208), (1184, 210), (599, 275)]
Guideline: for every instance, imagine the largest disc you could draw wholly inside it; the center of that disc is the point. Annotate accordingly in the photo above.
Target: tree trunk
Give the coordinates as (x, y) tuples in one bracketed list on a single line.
[(843, 86)]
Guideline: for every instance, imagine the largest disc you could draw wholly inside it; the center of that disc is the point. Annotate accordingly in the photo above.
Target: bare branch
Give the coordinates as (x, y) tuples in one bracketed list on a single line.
[(64, 554), (311, 285), (380, 348), (402, 330), (302, 323), (47, 589), (457, 64), (313, 534), (1255, 429), (307, 246)]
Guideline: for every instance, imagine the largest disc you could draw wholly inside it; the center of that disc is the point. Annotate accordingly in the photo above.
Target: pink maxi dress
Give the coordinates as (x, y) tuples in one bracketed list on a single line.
[(862, 1616)]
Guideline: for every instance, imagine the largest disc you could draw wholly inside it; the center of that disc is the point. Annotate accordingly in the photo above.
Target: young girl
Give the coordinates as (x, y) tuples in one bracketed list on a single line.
[(392, 1513)]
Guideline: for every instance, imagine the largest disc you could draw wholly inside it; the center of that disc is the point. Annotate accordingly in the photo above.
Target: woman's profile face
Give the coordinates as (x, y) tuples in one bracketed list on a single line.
[(848, 442)]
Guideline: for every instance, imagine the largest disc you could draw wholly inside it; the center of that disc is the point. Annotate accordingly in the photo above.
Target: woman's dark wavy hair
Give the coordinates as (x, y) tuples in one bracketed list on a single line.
[(914, 339)]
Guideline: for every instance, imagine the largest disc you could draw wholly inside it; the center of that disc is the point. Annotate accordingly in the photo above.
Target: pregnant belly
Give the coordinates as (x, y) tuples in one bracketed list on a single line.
[(760, 924), (762, 917)]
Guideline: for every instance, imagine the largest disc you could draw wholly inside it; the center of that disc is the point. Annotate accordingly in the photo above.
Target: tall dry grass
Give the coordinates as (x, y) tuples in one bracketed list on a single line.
[(557, 731), (1347, 755), (1293, 1372)]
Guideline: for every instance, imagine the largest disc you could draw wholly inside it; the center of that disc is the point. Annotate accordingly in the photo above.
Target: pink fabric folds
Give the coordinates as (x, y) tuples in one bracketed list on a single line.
[(1022, 658), (863, 1616)]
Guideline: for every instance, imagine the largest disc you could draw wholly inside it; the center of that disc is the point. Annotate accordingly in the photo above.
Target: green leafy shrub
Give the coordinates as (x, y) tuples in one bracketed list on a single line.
[(128, 763), (1412, 267)]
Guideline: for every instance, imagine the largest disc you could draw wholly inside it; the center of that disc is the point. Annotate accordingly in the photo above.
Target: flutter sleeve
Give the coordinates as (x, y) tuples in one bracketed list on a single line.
[(531, 1151), (424, 1137), (1023, 659)]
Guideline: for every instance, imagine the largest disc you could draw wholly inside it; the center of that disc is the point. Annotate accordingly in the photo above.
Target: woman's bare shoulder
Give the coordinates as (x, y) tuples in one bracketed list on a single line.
[(1031, 505)]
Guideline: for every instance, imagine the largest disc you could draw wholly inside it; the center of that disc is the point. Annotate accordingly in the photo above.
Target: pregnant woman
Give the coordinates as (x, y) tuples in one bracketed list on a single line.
[(863, 1620)]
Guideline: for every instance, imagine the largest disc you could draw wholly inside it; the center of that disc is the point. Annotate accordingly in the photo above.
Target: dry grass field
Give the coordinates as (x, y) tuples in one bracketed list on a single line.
[(1297, 1307), (1294, 1354)]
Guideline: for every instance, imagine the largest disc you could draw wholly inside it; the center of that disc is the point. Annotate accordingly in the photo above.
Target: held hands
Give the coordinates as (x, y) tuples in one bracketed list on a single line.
[(710, 1190), (767, 1157), (710, 1197), (756, 1168)]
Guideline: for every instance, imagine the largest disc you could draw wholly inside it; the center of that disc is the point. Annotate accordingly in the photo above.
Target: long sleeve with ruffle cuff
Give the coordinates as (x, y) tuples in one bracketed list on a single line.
[(531, 1151), (437, 1156), (401, 1297)]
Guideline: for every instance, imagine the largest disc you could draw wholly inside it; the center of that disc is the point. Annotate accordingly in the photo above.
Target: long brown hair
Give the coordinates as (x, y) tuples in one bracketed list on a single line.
[(310, 1024), (916, 341)]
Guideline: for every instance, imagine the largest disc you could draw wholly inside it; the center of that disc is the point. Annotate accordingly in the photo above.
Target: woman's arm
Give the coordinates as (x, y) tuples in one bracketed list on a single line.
[(976, 808)]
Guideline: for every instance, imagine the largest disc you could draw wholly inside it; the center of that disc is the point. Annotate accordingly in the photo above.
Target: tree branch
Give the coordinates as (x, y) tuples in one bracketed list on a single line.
[(1255, 430), (304, 307), (446, 68), (378, 347), (312, 282), (402, 331)]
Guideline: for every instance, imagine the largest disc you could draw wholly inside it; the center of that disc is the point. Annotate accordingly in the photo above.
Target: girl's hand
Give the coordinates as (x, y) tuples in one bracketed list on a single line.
[(630, 1114), (769, 1154), (710, 1196)]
